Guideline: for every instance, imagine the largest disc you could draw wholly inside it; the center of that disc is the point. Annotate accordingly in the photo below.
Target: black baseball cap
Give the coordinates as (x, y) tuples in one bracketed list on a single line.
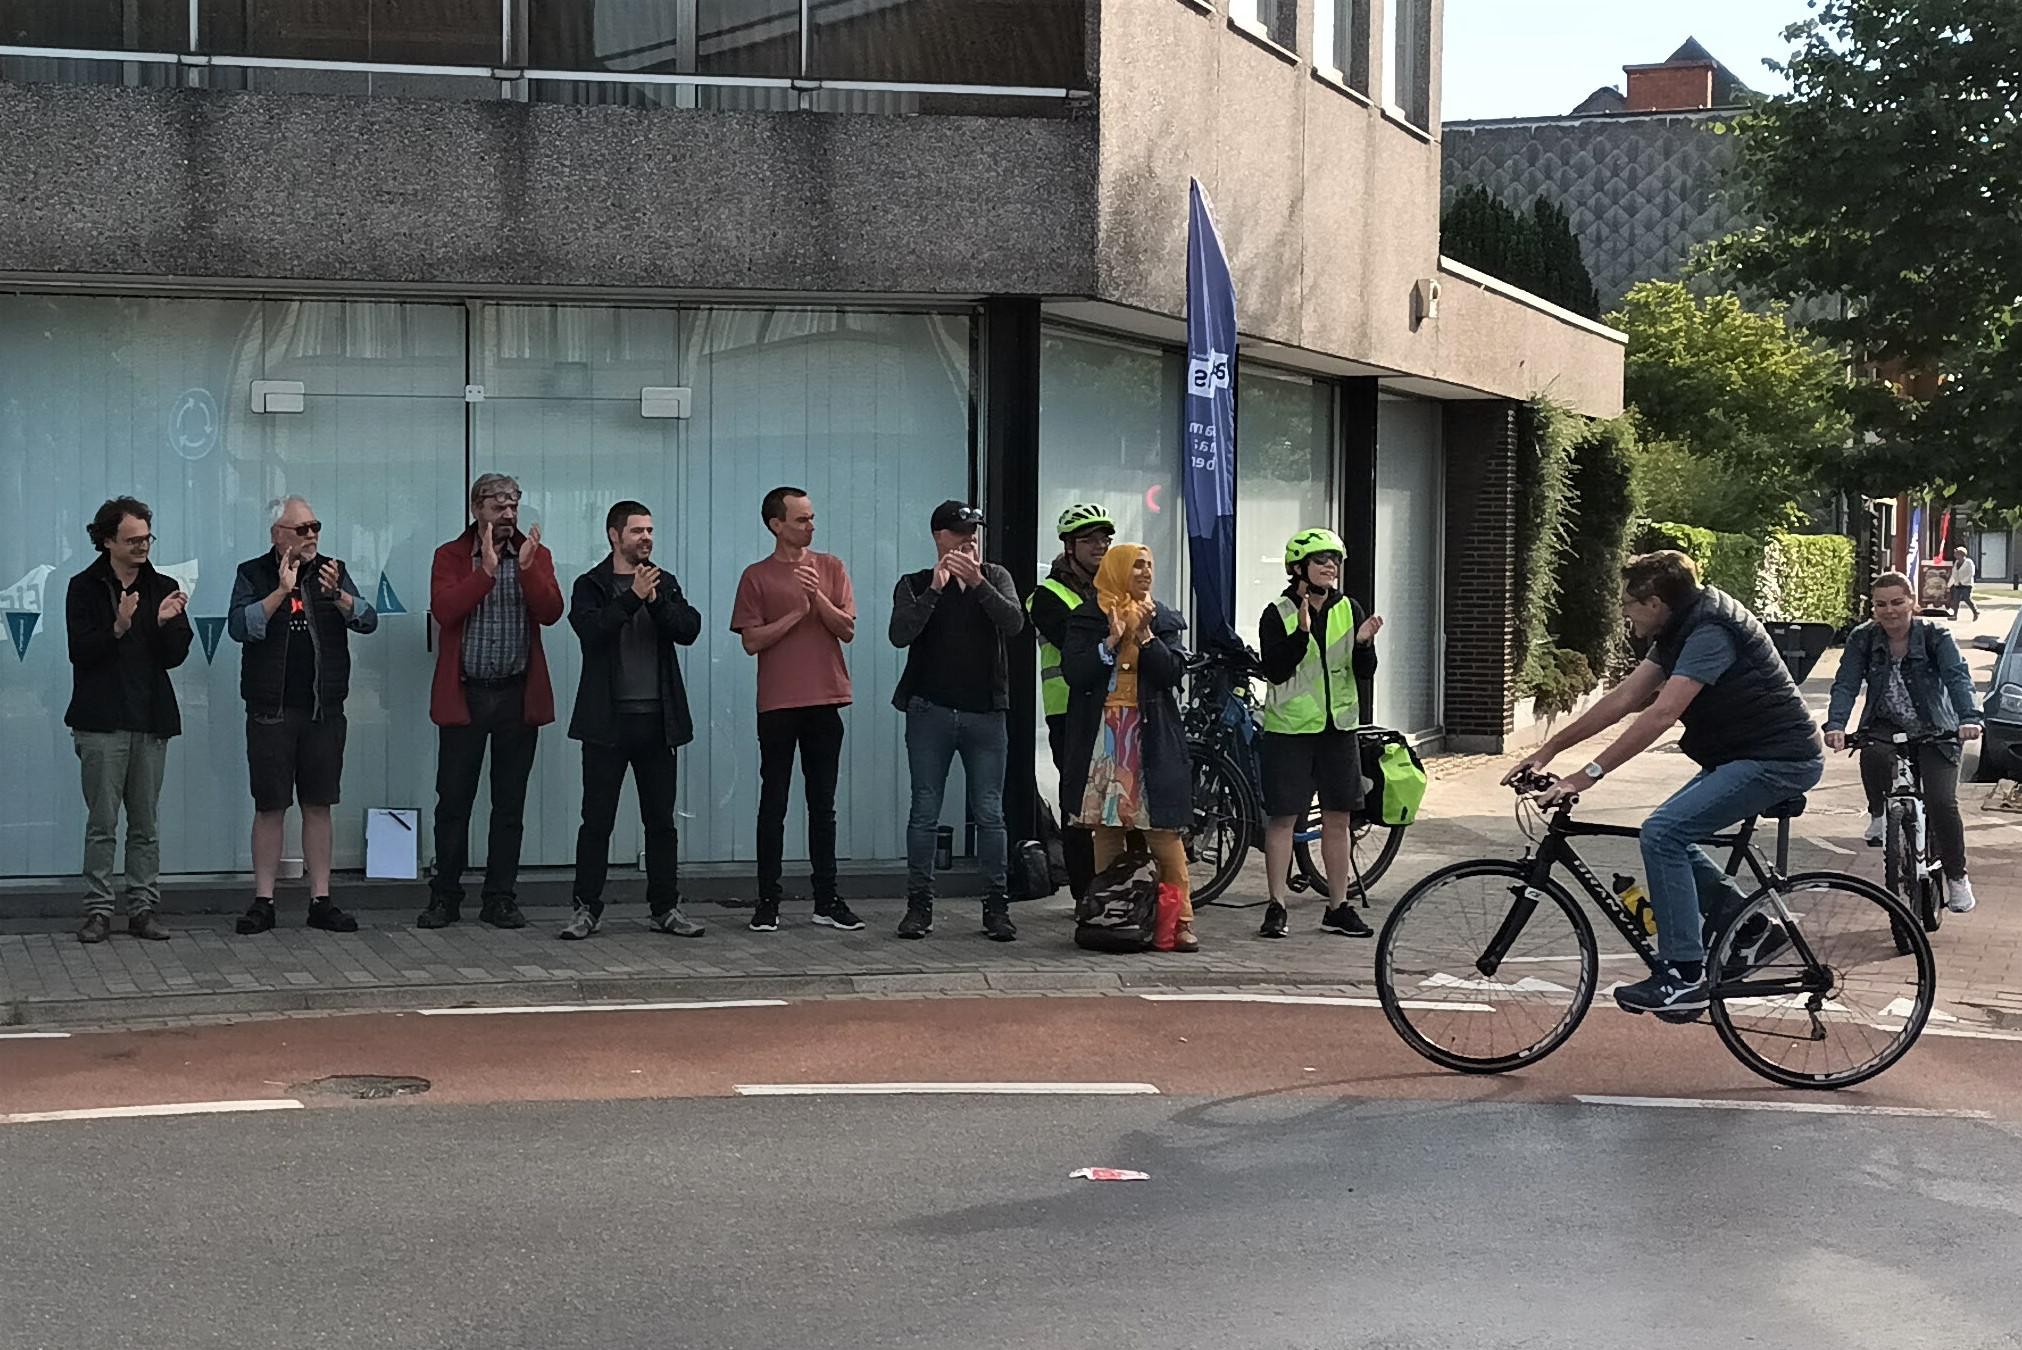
[(958, 516)]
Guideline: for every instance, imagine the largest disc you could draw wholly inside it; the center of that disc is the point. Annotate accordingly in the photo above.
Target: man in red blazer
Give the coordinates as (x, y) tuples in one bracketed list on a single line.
[(491, 591)]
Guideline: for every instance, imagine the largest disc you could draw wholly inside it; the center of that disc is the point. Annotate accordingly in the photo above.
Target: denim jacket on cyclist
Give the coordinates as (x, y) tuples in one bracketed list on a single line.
[(1933, 670)]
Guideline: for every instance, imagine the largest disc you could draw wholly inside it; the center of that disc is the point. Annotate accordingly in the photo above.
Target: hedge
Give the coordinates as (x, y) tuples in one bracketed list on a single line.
[(1808, 578), (1733, 562), (1589, 619), (1544, 466)]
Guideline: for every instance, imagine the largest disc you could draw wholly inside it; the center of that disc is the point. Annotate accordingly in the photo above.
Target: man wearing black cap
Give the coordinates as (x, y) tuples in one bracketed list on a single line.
[(953, 618)]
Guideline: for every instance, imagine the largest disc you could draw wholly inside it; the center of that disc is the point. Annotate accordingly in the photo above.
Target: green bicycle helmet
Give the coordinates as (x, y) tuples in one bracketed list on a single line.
[(1083, 516), (1309, 543)]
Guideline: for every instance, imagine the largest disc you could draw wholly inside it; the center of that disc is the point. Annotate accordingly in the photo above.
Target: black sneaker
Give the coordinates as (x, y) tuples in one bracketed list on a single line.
[(258, 918), (503, 912), (1758, 942), (329, 918), (764, 916), (440, 913), (1276, 921), (919, 920), (835, 914), (98, 927), (997, 925), (1345, 920), (1668, 993)]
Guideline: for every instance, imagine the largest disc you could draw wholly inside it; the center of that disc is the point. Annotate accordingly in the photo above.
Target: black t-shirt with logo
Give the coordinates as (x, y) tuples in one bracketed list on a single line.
[(300, 689)]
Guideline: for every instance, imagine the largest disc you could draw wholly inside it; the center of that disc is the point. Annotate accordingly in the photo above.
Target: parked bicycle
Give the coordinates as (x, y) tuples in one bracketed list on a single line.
[(1490, 965), (1222, 738), (1911, 868)]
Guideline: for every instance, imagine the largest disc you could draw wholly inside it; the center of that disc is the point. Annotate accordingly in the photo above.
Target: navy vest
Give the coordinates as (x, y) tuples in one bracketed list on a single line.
[(1753, 711)]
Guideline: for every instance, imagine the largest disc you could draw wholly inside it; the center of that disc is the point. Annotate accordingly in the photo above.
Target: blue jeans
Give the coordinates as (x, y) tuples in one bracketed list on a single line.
[(934, 736), (1685, 884)]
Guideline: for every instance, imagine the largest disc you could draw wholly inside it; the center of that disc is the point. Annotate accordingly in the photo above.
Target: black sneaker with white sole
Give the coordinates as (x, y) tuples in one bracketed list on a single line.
[(764, 916), (1668, 993), (919, 920), (1344, 919), (836, 914), (1276, 921)]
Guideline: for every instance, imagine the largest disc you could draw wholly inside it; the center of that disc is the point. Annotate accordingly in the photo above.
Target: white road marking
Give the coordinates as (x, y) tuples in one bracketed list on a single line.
[(1903, 1007), (606, 1007), (946, 1089), (1529, 984), (1317, 1000), (1566, 960), (1831, 847), (162, 1109), (34, 1035), (1796, 1108)]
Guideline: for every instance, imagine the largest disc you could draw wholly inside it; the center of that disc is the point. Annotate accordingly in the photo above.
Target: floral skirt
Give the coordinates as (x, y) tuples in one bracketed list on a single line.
[(1115, 792)]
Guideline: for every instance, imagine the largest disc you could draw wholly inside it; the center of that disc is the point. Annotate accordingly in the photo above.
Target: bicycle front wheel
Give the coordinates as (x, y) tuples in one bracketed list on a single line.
[(1224, 823), (1482, 972), (1814, 990), (1374, 848)]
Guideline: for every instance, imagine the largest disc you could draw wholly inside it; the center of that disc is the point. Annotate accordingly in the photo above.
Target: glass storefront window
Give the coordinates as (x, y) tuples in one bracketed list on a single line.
[(1007, 42), (96, 25), (617, 35), (1410, 543), (1284, 479), (414, 32)]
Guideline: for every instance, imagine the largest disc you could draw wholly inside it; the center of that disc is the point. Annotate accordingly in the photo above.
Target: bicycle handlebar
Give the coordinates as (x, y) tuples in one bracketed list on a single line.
[(1899, 740)]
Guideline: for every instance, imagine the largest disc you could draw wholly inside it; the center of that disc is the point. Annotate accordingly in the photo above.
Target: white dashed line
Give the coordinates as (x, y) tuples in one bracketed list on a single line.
[(946, 1089), (1794, 1108), (606, 1007), (34, 1035), (161, 1109), (1317, 1000)]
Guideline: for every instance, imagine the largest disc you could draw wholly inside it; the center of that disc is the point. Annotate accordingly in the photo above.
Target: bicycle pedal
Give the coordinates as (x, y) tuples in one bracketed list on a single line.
[(1679, 1019)]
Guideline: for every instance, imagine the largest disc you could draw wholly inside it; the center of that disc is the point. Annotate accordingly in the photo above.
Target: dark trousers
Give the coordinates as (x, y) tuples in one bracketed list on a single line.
[(1941, 797), (1077, 847), (1963, 595), (642, 747), (497, 718), (817, 733)]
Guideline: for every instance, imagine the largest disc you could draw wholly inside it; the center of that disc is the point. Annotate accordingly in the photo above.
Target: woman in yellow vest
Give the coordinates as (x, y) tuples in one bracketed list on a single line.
[(1126, 765), (1316, 646), (1085, 532)]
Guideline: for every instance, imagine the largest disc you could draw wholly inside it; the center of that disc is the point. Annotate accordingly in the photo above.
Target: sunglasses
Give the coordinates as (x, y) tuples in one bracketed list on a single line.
[(504, 499), (306, 528), (968, 518)]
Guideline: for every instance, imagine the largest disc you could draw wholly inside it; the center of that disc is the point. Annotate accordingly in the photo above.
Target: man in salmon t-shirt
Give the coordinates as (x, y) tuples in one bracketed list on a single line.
[(795, 610)]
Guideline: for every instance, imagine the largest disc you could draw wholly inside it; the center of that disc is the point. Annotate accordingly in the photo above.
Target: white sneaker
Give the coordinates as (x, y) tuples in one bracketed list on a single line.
[(1877, 828), (1959, 895)]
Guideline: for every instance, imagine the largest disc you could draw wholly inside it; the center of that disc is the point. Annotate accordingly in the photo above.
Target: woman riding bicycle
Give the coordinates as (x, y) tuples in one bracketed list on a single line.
[(1917, 683)]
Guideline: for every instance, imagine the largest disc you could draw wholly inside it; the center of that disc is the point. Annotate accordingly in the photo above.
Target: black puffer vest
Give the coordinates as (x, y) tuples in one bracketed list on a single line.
[(1753, 711), (263, 666)]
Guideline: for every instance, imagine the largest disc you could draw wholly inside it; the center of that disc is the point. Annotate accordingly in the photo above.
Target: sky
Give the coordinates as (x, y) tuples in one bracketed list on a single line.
[(1523, 58)]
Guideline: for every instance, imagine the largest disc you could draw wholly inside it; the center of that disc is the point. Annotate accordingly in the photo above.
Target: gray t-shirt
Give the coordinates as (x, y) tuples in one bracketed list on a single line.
[(639, 665), (1706, 655)]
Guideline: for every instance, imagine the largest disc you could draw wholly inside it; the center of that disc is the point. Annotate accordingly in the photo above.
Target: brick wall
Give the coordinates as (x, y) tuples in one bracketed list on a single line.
[(1480, 574), (1670, 88)]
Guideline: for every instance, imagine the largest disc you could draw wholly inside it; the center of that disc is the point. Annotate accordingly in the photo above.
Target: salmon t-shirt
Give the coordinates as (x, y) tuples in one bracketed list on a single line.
[(804, 669)]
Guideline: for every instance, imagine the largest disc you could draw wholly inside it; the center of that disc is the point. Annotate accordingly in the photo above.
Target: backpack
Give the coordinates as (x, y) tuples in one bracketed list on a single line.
[(1394, 778), (1120, 911), (1031, 872), (1049, 838)]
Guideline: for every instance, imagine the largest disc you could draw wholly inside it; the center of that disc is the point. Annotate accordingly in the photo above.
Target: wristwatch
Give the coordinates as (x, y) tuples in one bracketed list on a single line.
[(1595, 771)]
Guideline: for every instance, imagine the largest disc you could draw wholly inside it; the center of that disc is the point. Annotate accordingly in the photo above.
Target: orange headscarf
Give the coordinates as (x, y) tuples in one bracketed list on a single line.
[(1112, 585)]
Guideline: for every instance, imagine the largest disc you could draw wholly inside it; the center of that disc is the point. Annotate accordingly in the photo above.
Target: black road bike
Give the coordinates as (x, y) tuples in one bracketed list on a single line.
[(1912, 870), (1489, 966)]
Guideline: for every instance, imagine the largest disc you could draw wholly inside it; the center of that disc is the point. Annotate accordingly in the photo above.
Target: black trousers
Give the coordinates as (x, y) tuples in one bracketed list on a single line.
[(817, 733), (497, 718), (1077, 847), (642, 747)]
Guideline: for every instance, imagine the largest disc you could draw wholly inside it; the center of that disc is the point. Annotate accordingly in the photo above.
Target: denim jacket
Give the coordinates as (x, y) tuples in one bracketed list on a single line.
[(1934, 671)]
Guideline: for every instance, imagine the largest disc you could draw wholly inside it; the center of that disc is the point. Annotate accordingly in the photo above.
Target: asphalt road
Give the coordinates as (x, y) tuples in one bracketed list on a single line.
[(1278, 1220)]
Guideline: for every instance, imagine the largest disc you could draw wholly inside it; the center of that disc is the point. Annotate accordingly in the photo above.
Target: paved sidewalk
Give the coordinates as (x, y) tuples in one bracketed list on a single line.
[(47, 977)]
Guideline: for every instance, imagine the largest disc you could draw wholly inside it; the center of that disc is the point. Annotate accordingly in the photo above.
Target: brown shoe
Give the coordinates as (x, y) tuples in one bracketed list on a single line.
[(1184, 939), (143, 923), (95, 928)]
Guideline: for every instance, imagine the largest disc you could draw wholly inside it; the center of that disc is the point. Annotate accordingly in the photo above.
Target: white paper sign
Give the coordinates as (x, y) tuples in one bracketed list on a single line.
[(392, 843)]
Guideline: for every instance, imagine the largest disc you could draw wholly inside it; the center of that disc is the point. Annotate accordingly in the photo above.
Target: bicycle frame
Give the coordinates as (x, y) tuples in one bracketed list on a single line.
[(1557, 851), (1907, 785)]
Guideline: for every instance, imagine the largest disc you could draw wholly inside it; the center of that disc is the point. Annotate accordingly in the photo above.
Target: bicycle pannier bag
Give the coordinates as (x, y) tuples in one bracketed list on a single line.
[(1395, 778)]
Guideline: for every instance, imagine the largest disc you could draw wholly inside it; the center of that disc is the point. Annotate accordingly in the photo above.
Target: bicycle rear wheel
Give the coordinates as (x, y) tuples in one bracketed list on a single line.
[(1224, 826), (1899, 870), (1374, 847), (1828, 999), (1430, 967)]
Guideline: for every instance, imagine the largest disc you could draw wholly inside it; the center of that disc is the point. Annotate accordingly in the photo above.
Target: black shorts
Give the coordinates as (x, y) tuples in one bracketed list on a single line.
[(1295, 767), (294, 757)]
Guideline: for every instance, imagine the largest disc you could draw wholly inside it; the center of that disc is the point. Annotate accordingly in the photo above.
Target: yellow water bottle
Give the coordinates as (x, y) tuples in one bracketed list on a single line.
[(1637, 901)]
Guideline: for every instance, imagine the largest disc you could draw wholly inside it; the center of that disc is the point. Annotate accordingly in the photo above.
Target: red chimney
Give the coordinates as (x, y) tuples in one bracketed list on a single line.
[(1675, 86)]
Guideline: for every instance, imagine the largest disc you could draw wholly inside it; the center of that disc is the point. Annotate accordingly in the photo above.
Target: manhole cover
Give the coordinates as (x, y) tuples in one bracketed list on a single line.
[(365, 1086)]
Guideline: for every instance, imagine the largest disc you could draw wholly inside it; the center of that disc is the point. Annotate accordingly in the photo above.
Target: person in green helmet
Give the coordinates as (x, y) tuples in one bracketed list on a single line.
[(1085, 534), (1318, 649)]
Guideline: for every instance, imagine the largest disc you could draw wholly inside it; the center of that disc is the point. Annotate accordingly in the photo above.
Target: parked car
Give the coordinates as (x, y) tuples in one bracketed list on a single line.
[(2001, 751)]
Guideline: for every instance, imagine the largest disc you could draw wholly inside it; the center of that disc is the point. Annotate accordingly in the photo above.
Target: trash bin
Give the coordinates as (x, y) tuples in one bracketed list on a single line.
[(1800, 645)]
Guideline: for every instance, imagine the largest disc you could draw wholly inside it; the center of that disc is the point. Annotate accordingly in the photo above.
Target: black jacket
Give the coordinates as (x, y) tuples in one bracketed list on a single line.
[(263, 667), (96, 656), (1168, 777), (1049, 613), (1753, 711), (600, 605), (913, 602)]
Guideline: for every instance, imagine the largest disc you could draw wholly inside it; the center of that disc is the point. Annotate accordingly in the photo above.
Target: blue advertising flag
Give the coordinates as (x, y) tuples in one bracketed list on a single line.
[(1208, 427)]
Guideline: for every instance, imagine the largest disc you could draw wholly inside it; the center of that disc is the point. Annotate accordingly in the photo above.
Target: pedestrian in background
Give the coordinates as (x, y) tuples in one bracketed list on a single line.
[(127, 631), (491, 589), (293, 610), (1964, 574), (1126, 744)]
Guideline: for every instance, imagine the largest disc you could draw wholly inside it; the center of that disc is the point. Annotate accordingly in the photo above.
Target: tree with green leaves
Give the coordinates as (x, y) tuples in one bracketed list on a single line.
[(1741, 414), (1890, 177), (1537, 252)]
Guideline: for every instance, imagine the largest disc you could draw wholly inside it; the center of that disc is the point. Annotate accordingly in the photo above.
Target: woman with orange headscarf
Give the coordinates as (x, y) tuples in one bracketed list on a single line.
[(1126, 764)]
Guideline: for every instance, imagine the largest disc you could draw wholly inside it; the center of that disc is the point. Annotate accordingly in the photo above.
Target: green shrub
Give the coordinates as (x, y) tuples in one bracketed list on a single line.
[(1808, 578), (1732, 562), (1556, 681), (1589, 619), (1544, 465)]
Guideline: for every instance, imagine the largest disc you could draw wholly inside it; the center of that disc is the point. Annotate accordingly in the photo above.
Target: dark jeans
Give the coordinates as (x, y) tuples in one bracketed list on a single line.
[(1963, 595), (497, 717), (934, 736), (1077, 847), (1941, 797), (642, 747), (817, 733)]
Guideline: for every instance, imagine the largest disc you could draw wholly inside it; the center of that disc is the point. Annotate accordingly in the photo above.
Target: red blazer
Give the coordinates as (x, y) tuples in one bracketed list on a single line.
[(456, 586)]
